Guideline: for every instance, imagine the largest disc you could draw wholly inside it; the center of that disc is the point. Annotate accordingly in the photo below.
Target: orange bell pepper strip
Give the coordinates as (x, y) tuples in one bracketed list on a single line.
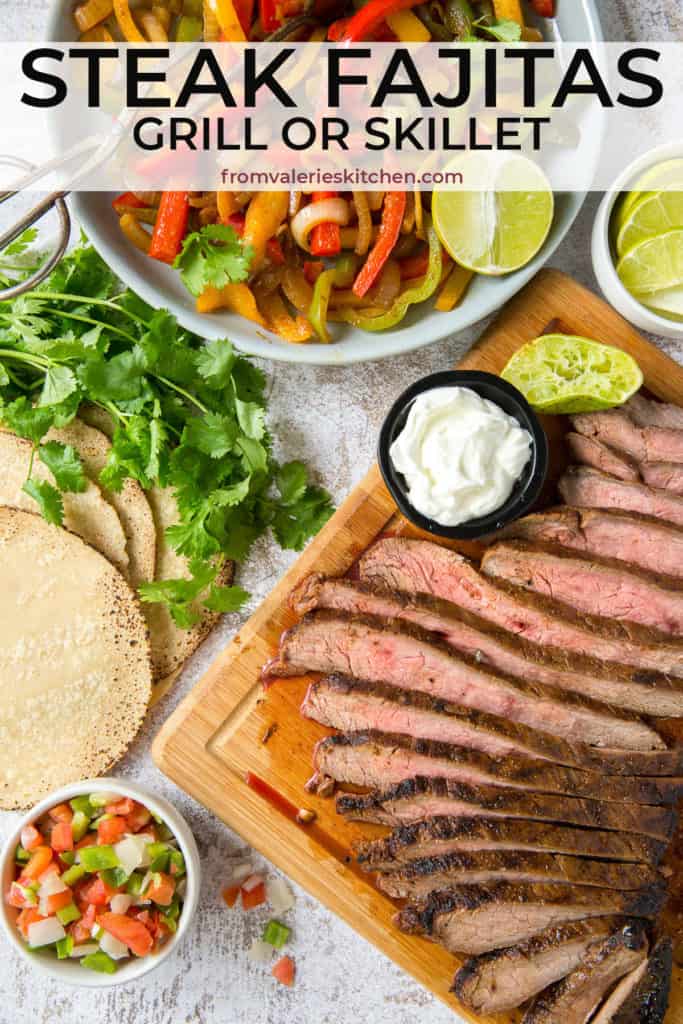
[(264, 215), (170, 226), (453, 289), (237, 298), (325, 238), (91, 13), (131, 33), (393, 209), (279, 319)]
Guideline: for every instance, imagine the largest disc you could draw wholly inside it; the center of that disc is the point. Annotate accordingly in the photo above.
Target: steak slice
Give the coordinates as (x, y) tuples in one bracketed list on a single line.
[(642, 997), (591, 587), (422, 566), (353, 705), (508, 653), (506, 978), (416, 799), (476, 919), (615, 428), (480, 867), (574, 999), (588, 451), (403, 655), (666, 475), (646, 543), (647, 413), (375, 759), (438, 837), (583, 486)]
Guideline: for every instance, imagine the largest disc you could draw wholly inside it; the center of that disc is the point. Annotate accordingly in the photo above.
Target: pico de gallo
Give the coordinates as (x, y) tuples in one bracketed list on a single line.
[(100, 879)]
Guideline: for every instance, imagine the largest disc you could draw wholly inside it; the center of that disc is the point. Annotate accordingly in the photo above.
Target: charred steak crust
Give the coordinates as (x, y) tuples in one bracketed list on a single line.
[(646, 1000)]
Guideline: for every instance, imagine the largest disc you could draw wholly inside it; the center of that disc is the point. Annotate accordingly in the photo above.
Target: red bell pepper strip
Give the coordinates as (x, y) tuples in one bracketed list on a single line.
[(170, 226), (312, 270), (325, 238), (270, 16), (337, 29), (366, 20), (127, 200), (393, 209), (546, 8), (244, 9), (414, 266), (273, 247)]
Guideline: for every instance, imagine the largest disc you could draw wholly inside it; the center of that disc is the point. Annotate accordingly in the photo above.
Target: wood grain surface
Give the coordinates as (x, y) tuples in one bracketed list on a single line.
[(230, 724)]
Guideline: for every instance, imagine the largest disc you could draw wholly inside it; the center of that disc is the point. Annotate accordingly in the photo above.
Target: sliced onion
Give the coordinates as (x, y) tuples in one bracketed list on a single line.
[(252, 882), (335, 211), (387, 287), (295, 198), (279, 895), (364, 236)]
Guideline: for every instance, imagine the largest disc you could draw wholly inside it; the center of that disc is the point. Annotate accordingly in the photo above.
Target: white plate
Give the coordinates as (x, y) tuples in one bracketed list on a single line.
[(576, 21)]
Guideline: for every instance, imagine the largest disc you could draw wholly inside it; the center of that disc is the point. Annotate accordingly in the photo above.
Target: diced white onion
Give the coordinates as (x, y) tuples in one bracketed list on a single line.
[(260, 952), (120, 903), (42, 933), (240, 870), (131, 851), (252, 882), (115, 949), (181, 888), (85, 949), (322, 212), (279, 895), (51, 886)]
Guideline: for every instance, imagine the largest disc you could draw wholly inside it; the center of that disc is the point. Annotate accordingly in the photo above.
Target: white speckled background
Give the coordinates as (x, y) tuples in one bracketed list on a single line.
[(330, 418)]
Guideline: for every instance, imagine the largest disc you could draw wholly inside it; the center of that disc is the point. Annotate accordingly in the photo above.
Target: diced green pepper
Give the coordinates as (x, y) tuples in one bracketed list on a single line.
[(114, 877), (79, 825), (99, 962), (29, 893), (345, 270), (177, 863), (82, 805), (98, 800), (99, 858), (21, 855), (163, 831), (73, 874), (170, 922), (189, 29), (276, 934), (159, 856), (68, 914), (64, 947), (68, 857), (134, 884)]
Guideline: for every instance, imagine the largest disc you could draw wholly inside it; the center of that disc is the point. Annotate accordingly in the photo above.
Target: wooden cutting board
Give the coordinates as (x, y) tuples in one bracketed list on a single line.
[(230, 725)]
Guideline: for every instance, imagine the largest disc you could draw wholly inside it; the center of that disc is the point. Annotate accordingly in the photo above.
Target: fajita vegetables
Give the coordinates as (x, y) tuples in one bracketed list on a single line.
[(293, 262), (99, 879)]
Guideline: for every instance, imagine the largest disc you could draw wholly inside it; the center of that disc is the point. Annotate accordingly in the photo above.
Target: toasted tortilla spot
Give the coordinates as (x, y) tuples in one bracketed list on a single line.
[(85, 513), (74, 660)]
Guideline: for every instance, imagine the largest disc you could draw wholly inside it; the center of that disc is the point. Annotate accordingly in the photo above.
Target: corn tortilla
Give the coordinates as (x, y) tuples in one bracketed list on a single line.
[(74, 660)]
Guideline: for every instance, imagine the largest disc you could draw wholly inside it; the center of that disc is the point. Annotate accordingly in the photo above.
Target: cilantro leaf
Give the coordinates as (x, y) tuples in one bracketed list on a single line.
[(505, 30), (215, 362), (180, 595), (214, 255), (291, 480), (48, 498), (302, 509), (59, 383), (113, 380), (226, 599), (27, 420), (213, 434), (65, 465)]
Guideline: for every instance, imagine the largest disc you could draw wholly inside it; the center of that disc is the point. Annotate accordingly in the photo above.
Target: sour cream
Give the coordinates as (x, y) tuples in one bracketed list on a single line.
[(460, 455)]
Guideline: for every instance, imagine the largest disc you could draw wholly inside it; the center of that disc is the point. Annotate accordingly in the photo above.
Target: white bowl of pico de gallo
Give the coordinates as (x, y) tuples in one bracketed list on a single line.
[(100, 882)]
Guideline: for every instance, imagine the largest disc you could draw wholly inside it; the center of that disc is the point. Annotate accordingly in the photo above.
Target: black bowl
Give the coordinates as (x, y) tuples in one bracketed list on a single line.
[(526, 489)]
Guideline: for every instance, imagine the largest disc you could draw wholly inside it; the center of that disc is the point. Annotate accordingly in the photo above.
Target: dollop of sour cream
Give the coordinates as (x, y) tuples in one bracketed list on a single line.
[(460, 455)]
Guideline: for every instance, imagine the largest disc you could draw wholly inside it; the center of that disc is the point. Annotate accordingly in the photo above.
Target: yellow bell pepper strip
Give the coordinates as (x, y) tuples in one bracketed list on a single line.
[(170, 226), (453, 289), (89, 14), (136, 234), (408, 28), (237, 298), (229, 23), (264, 215), (212, 30), (508, 10), (278, 317), (131, 33), (317, 311), (366, 20), (393, 210), (418, 292)]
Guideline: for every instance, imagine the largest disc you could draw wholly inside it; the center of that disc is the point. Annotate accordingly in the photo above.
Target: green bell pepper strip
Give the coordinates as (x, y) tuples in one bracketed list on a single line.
[(189, 29), (68, 914), (98, 858), (345, 270), (99, 962), (64, 947), (276, 934), (317, 312), (422, 289), (73, 875), (82, 804)]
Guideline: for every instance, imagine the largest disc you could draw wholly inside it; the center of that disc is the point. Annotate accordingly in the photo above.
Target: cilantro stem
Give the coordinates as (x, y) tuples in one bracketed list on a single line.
[(183, 392), (39, 362), (90, 301), (90, 320)]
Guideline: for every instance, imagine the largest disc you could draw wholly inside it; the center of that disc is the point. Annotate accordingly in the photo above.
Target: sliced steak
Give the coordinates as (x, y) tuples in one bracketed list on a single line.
[(403, 655), (616, 429), (375, 759), (590, 587), (617, 685), (506, 978), (483, 866), (642, 997), (353, 705), (647, 413), (437, 837), (668, 476), (585, 487), (416, 799), (425, 567), (574, 999), (476, 919), (588, 451)]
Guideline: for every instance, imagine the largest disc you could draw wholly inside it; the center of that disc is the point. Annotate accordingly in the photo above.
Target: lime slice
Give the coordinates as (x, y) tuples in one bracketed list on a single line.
[(666, 175), (668, 304), (561, 373), (654, 265), (654, 214), (502, 227)]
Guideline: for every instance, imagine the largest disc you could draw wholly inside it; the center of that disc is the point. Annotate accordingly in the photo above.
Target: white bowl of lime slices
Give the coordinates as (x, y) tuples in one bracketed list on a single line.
[(638, 242)]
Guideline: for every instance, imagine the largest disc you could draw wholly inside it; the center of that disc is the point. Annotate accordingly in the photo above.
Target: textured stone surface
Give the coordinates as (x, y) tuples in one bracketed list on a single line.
[(341, 979)]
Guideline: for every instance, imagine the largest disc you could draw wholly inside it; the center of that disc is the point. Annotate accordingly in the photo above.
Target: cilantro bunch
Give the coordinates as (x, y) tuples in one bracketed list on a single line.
[(187, 415)]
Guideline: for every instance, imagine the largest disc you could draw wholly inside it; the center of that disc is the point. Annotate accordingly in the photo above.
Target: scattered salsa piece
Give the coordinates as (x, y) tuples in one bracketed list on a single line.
[(284, 971)]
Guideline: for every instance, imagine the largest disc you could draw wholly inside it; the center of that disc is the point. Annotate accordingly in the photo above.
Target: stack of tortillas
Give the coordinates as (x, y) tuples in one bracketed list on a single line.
[(80, 654)]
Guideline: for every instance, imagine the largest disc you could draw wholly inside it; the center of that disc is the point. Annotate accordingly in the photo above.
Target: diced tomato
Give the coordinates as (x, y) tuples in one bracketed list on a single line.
[(62, 812), (14, 897), (123, 807), (27, 917), (98, 893), (62, 837), (51, 869), (40, 859), (230, 895), (59, 900), (31, 837), (81, 930), (284, 971), (89, 839), (138, 818), (161, 889), (126, 929), (140, 915), (110, 830), (88, 918), (255, 897)]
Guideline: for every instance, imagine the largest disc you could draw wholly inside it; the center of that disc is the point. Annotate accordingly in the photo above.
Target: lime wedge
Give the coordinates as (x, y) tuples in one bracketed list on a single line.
[(502, 227), (652, 215), (561, 373), (668, 304), (654, 265), (667, 175)]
